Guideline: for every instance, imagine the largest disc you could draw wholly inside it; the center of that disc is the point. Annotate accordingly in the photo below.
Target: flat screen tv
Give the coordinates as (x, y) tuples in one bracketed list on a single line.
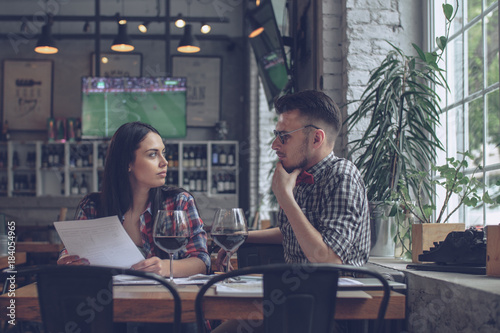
[(109, 102), (269, 51)]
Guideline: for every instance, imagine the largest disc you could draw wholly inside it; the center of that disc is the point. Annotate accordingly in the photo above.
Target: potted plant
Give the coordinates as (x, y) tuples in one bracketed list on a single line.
[(451, 178), (403, 111)]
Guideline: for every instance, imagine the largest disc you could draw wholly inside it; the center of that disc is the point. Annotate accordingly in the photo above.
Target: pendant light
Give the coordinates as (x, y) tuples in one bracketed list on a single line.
[(205, 28), (46, 44), (143, 27), (255, 28), (188, 42), (122, 42), (180, 22)]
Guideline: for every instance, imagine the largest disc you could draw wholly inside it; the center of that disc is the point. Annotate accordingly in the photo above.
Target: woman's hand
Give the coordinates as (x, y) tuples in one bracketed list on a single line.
[(153, 265), (72, 260)]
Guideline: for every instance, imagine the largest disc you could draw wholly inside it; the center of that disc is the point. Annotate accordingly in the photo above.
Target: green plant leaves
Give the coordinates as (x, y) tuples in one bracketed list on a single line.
[(441, 42), (448, 11)]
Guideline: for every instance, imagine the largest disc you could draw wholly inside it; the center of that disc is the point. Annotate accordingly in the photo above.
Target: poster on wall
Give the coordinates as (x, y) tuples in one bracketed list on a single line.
[(118, 65), (203, 88), (27, 93)]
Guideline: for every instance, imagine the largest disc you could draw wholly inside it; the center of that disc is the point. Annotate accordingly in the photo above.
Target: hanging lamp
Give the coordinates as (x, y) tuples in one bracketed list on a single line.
[(188, 42), (122, 43), (46, 44)]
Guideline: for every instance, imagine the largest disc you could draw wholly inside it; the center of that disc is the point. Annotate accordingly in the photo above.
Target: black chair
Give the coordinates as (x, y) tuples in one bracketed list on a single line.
[(257, 254), (80, 298), (308, 294)]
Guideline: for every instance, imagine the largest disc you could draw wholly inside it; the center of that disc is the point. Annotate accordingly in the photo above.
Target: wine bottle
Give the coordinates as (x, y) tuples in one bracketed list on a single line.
[(84, 187), (75, 187), (185, 158), (215, 155), (222, 156), (220, 184), (199, 182), (230, 157), (198, 157), (192, 157), (214, 184)]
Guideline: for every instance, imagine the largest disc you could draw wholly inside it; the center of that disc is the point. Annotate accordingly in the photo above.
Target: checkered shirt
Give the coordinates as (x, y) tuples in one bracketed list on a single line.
[(336, 205)]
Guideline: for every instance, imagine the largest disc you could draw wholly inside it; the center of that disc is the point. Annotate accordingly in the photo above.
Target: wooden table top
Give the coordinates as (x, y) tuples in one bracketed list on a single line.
[(155, 304), (38, 247), (20, 258)]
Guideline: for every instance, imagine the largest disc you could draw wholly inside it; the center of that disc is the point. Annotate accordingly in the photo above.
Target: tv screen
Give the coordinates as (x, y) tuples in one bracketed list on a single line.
[(269, 50), (109, 102)]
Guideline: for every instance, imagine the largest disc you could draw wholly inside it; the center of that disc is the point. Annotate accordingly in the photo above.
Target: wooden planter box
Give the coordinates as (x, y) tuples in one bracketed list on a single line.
[(424, 235), (493, 250)]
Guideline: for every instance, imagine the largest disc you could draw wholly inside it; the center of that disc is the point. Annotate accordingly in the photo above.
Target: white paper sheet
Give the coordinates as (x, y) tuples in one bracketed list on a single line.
[(104, 241)]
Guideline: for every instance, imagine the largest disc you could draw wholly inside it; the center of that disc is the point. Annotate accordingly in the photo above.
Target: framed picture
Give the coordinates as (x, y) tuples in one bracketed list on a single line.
[(118, 65), (203, 88), (27, 93)]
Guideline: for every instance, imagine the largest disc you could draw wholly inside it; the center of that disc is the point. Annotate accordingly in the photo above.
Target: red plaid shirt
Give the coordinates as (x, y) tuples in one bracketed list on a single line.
[(197, 245)]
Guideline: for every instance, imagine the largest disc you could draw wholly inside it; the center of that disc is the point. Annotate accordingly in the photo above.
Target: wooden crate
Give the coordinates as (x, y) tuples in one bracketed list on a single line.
[(493, 250), (424, 235)]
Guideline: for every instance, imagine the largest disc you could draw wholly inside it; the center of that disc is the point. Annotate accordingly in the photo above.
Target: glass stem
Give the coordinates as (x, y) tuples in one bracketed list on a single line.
[(228, 254), (171, 268)]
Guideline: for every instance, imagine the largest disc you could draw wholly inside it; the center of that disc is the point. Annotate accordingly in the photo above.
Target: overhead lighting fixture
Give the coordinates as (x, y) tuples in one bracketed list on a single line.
[(122, 42), (255, 27), (205, 28), (180, 23), (143, 27), (188, 42), (46, 44)]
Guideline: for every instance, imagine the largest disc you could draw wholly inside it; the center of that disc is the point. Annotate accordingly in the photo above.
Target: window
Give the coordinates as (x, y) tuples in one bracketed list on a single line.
[(470, 118)]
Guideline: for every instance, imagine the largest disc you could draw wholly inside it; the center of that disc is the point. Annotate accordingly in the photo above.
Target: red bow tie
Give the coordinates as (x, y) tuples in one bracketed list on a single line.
[(304, 177)]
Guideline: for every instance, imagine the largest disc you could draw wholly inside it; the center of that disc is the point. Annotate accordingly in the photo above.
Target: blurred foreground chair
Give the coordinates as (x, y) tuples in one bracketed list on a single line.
[(64, 293), (257, 254), (307, 296)]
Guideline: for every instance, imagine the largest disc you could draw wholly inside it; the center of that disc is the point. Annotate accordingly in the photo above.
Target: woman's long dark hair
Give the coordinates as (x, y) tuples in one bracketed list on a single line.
[(117, 196)]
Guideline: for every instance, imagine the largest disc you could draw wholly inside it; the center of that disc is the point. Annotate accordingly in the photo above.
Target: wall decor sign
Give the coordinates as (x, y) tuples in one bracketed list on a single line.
[(118, 65), (27, 93), (203, 88)]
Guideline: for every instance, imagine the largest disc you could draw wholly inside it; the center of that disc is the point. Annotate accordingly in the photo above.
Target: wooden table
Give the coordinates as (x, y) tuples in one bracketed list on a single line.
[(38, 247), (20, 258), (155, 304)]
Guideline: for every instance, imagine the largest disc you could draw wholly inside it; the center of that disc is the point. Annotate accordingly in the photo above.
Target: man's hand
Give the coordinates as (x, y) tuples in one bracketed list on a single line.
[(284, 182), (223, 260)]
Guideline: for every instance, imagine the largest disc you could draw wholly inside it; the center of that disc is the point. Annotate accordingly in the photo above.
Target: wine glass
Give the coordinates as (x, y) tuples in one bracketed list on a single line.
[(229, 230), (171, 232)]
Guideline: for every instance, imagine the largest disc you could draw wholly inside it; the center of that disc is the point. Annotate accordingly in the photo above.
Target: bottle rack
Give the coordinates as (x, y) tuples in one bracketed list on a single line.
[(37, 168)]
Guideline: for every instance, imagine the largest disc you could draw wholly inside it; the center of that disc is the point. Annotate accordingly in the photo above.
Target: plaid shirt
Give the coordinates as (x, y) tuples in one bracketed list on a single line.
[(336, 205), (197, 245)]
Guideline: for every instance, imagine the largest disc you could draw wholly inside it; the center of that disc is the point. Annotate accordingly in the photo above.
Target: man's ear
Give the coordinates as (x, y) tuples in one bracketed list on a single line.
[(319, 138)]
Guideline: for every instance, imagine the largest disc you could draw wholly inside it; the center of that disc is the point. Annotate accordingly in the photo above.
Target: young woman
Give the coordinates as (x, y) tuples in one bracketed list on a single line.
[(134, 189)]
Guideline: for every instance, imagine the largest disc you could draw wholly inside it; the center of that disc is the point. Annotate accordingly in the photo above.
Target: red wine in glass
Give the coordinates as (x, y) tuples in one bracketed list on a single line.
[(171, 233), (229, 230)]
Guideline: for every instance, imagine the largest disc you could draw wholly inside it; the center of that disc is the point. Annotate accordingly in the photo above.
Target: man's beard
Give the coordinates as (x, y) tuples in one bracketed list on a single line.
[(302, 163)]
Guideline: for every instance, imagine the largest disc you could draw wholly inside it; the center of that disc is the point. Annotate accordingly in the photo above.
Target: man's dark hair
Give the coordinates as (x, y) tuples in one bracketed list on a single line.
[(313, 104)]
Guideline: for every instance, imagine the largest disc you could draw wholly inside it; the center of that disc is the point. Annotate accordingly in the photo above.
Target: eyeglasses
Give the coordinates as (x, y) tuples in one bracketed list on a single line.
[(282, 135)]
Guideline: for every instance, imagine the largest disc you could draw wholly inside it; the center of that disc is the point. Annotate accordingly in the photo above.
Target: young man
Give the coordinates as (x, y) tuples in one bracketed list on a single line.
[(323, 214)]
